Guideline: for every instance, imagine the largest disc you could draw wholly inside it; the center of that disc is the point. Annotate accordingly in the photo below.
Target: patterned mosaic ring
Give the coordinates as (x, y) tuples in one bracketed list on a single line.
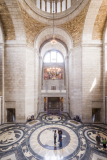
[(43, 151)]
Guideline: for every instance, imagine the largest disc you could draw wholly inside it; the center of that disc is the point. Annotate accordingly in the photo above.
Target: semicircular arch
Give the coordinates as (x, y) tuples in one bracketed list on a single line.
[(47, 34)]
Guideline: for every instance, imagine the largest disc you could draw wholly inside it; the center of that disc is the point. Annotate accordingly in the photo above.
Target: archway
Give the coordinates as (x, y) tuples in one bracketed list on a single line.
[(42, 45)]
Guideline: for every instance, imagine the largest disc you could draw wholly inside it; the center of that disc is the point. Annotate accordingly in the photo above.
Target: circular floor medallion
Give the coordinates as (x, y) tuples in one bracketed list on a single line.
[(92, 133), (46, 138), (11, 136), (53, 118), (42, 141)]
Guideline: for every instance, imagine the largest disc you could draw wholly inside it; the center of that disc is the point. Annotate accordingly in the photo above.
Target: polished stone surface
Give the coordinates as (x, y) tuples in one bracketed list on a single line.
[(35, 140)]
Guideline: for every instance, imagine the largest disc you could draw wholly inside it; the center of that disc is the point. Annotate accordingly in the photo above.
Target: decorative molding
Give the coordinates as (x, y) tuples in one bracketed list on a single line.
[(60, 18), (91, 45)]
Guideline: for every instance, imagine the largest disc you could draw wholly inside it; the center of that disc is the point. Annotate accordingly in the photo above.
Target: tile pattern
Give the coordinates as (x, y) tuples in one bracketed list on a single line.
[(34, 140)]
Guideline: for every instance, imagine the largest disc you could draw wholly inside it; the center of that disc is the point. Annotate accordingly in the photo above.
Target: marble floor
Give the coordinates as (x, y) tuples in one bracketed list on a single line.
[(34, 140)]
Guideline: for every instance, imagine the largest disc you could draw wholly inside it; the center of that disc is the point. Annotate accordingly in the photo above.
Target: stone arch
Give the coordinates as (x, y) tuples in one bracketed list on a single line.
[(48, 46), (19, 28), (1, 34), (105, 34), (47, 34), (89, 23), (36, 13)]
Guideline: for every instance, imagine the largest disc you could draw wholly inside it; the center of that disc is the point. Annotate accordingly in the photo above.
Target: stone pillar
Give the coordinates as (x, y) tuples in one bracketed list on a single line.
[(55, 6), (60, 5), (70, 80), (40, 4), (2, 82), (104, 110), (60, 104), (46, 5), (0, 110), (66, 4), (50, 6), (36, 77), (40, 82), (46, 104), (66, 81)]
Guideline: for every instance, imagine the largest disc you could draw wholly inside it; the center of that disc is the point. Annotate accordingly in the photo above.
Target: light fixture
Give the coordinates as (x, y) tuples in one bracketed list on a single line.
[(53, 41)]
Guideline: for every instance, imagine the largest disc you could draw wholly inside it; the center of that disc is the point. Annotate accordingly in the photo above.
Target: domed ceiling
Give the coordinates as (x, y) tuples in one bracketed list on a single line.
[(61, 8)]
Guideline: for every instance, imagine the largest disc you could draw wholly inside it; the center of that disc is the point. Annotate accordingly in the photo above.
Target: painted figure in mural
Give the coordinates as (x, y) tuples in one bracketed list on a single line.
[(53, 73), (98, 140), (104, 144), (55, 136)]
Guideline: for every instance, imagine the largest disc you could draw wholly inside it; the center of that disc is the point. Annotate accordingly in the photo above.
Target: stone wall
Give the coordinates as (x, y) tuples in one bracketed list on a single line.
[(92, 81), (29, 91), (32, 27), (36, 83), (75, 26), (75, 81), (100, 19), (7, 22), (14, 80)]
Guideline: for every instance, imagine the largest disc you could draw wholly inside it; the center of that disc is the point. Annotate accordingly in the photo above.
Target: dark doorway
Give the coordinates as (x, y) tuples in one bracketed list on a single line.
[(11, 115), (53, 103), (96, 114)]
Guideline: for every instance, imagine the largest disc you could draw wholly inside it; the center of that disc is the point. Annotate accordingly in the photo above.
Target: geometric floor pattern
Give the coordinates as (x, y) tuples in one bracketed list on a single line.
[(35, 140)]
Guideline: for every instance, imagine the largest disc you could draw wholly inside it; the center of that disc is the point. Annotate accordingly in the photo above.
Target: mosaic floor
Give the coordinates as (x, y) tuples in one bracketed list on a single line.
[(35, 140)]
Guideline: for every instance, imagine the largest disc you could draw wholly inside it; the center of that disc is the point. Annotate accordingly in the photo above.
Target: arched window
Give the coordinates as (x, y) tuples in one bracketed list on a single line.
[(53, 57)]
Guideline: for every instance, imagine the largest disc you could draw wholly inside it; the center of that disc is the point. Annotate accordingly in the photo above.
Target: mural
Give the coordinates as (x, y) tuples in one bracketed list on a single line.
[(53, 73)]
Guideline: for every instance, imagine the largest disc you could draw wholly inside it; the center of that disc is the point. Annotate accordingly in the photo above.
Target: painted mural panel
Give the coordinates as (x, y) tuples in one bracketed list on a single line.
[(53, 73)]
